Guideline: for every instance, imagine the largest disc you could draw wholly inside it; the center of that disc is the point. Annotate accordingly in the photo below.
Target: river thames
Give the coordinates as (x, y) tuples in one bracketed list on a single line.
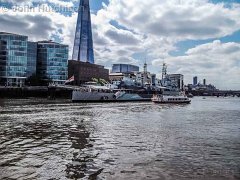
[(41, 139)]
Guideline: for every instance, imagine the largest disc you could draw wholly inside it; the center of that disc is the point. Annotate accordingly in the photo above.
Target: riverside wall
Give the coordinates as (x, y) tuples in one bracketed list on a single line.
[(38, 92)]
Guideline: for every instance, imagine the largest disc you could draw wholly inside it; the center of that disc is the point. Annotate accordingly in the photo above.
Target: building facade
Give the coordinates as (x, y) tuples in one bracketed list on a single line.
[(177, 80), (83, 43), (52, 62), (139, 79), (32, 58), (13, 59), (204, 82), (195, 80), (124, 68), (84, 72), (145, 78)]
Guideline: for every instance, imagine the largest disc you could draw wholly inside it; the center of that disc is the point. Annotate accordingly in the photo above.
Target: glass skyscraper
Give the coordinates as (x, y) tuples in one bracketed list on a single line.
[(52, 61), (83, 43), (13, 59), (195, 80)]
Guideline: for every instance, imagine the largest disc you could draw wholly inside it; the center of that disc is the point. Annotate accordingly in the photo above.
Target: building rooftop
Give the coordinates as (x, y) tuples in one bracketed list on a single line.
[(86, 64), (116, 74), (50, 42), (7, 33), (125, 64), (175, 74)]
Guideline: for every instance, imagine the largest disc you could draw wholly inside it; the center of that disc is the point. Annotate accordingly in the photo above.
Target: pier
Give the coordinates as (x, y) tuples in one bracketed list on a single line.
[(52, 92)]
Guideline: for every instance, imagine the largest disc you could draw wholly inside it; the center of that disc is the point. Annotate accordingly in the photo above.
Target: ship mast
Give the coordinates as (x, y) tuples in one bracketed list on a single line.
[(145, 66)]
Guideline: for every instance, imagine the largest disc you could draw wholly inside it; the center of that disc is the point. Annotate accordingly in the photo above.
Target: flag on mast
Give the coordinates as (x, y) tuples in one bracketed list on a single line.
[(71, 79)]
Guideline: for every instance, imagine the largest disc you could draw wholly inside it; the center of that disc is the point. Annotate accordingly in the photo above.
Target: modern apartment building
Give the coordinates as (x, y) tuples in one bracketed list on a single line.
[(52, 61), (13, 59), (32, 58), (20, 59)]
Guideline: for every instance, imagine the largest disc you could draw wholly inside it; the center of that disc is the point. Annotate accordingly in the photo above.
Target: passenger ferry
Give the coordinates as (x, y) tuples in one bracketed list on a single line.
[(171, 99)]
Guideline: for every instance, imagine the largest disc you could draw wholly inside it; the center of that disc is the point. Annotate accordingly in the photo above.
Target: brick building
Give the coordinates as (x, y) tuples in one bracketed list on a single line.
[(84, 72)]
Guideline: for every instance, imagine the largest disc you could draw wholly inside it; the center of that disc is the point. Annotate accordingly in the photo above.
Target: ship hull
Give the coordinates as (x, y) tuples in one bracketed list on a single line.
[(110, 101), (87, 97)]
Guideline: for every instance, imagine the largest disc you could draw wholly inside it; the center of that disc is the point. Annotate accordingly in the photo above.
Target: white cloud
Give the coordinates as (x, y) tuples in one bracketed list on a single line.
[(68, 3), (39, 24), (216, 61), (158, 25)]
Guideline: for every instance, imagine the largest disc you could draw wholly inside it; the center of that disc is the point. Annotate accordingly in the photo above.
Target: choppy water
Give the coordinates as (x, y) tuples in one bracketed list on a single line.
[(61, 140)]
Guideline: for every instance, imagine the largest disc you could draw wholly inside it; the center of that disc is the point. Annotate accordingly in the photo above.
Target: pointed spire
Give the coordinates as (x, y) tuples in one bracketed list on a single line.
[(83, 43)]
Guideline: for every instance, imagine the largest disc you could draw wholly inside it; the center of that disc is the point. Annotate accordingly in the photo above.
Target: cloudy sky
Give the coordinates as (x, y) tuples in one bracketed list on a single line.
[(194, 37)]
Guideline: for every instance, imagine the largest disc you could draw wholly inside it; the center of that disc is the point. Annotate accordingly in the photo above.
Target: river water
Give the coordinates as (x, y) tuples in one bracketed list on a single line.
[(42, 139)]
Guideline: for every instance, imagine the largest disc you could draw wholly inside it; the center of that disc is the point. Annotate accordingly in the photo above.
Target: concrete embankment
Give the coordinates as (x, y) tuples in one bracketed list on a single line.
[(38, 92)]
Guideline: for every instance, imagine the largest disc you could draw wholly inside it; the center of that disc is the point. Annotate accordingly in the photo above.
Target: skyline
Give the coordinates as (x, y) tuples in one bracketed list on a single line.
[(194, 38)]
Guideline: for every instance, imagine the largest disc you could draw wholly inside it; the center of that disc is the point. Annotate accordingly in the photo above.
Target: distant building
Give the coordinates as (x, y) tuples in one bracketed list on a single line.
[(3, 62), (124, 68), (84, 72), (135, 79), (195, 80), (13, 59), (176, 80), (83, 43), (117, 76), (200, 89), (32, 58), (52, 61), (204, 82), (145, 78)]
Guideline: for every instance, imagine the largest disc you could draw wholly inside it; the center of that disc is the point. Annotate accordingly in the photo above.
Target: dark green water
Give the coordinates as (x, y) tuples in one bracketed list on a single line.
[(61, 140)]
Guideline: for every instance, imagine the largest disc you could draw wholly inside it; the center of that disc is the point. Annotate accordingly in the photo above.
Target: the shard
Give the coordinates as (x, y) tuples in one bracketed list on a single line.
[(83, 43)]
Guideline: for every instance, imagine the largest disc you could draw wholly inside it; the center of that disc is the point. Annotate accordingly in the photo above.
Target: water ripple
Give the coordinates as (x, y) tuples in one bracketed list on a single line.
[(42, 139)]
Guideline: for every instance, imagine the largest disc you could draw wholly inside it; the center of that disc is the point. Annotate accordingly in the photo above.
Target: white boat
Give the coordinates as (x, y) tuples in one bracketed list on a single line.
[(171, 99)]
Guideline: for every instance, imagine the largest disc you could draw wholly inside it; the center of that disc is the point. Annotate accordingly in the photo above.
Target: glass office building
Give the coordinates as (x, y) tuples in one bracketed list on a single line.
[(52, 61), (124, 68), (32, 58), (13, 59), (3, 61), (83, 43)]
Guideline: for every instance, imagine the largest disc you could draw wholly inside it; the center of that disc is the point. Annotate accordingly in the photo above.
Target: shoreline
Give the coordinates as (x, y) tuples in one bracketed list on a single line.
[(35, 92)]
